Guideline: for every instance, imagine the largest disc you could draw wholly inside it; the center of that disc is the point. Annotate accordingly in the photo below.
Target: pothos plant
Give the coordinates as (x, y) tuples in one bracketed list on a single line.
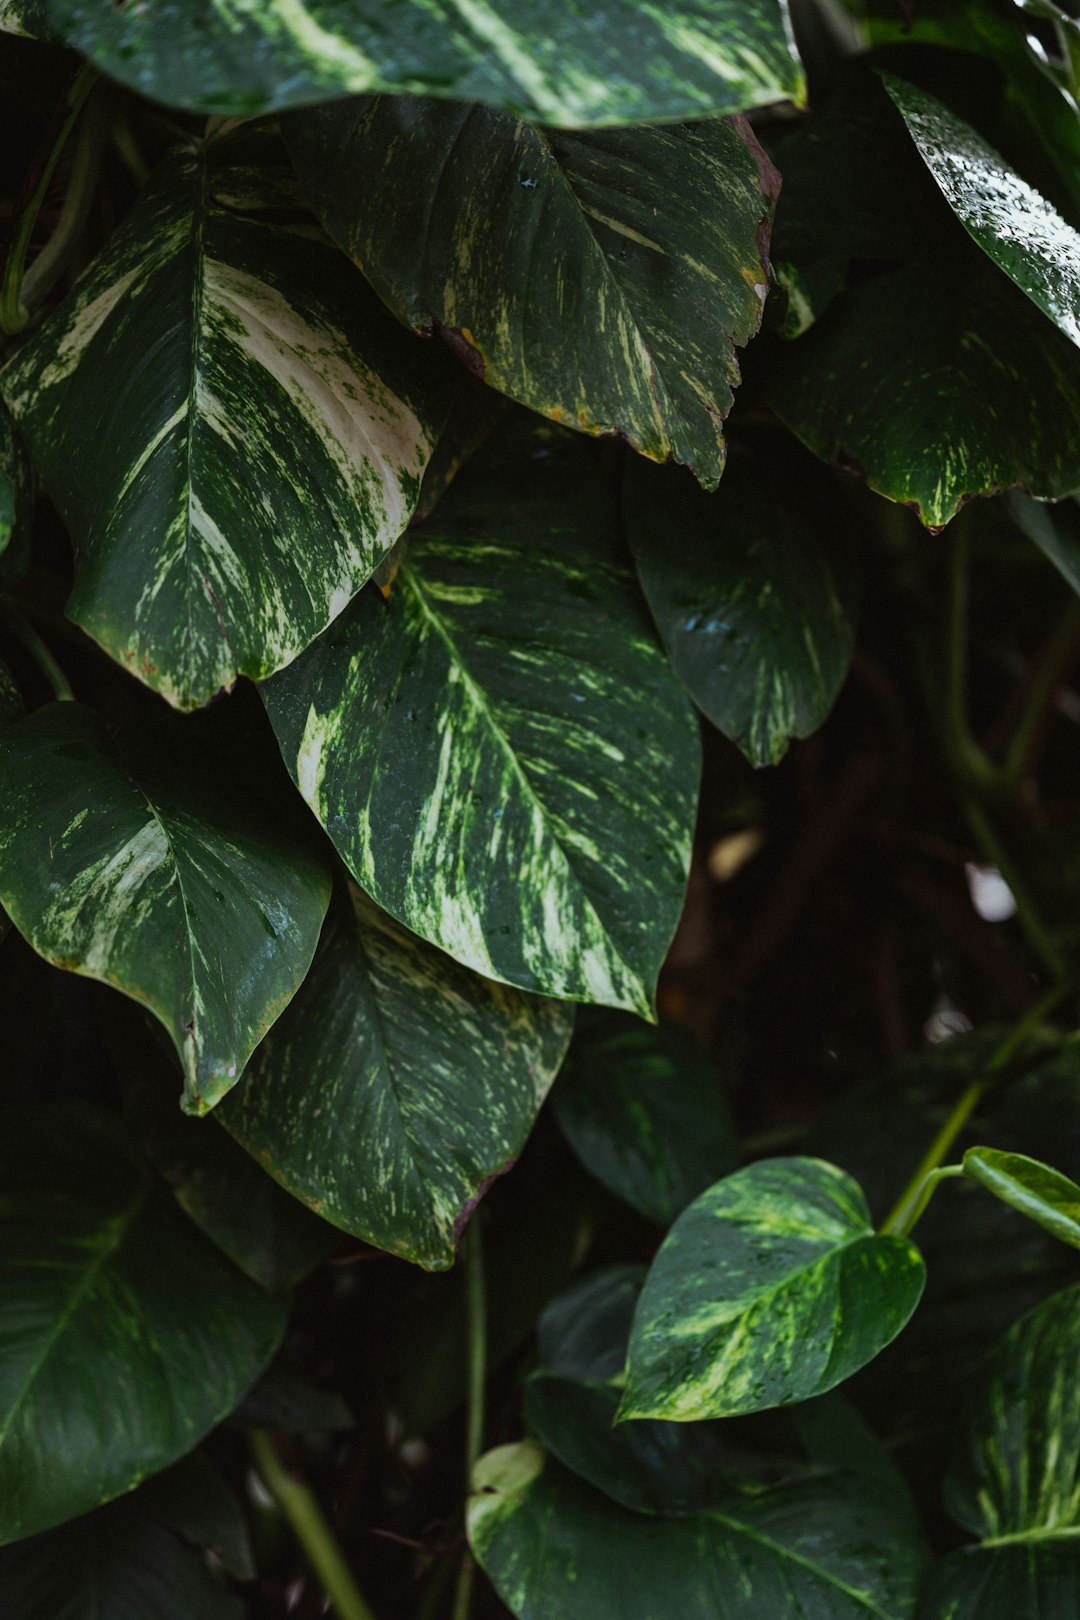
[(444, 449)]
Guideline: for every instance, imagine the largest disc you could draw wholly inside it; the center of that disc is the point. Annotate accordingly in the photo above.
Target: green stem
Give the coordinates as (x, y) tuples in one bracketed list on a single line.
[(476, 1305), (13, 312), (969, 761), (923, 1195), (1027, 914), (39, 652), (304, 1514), (907, 1209), (1044, 688)]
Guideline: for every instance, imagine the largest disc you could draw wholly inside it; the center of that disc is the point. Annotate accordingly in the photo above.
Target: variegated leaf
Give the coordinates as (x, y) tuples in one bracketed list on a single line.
[(397, 1086), (755, 600), (644, 249), (501, 753), (259, 427), (124, 1335), (822, 1548), (1015, 1481), (26, 17), (133, 861), (617, 61), (16, 502), (1043, 1194), (772, 1287)]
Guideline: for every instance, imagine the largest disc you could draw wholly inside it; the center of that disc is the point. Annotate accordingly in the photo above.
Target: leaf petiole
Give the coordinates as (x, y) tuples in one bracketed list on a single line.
[(39, 652)]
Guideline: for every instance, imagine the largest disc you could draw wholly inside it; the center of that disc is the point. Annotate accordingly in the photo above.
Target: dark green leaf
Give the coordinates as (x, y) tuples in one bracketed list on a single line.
[(131, 860), (232, 428), (1044, 1195), (398, 1086), (643, 249), (282, 1399), (501, 753), (260, 1227), (124, 1335), (555, 1549), (16, 503), (1019, 230), (193, 1501), (756, 605), (621, 61), (25, 17), (772, 1287), (646, 1112), (1051, 532), (11, 707), (1015, 1483)]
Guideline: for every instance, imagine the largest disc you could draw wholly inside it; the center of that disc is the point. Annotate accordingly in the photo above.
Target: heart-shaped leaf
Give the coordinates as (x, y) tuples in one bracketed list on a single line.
[(772, 1287), (1015, 1482), (397, 1086), (260, 426), (501, 753), (645, 1111), (755, 602), (1020, 231), (124, 1334), (644, 249), (136, 861), (621, 61), (1044, 1195)]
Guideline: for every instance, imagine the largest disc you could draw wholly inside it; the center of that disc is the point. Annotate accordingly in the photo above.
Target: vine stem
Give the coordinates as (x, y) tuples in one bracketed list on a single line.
[(304, 1514), (39, 652), (916, 1195), (13, 312), (1027, 914), (476, 1306), (1049, 675)]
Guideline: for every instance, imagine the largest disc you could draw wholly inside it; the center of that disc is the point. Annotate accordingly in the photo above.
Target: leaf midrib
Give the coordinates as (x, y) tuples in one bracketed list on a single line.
[(786, 1553)]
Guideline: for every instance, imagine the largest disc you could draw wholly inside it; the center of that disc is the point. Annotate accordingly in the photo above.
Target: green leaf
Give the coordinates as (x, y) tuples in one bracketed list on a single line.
[(1020, 231), (137, 861), (1015, 1483), (397, 1086), (124, 1335), (268, 1234), (16, 503), (501, 753), (772, 1287), (645, 1112), (24, 17), (1044, 1195), (11, 707), (230, 425), (932, 374), (1055, 538), (620, 61), (755, 602), (555, 1549), (643, 249)]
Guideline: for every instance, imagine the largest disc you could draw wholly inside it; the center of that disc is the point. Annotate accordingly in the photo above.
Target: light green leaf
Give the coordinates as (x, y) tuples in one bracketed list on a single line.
[(645, 1111), (124, 1335), (397, 1087), (1015, 1482), (644, 249), (1020, 231), (1044, 1195), (772, 1287), (620, 61), (259, 426), (137, 861), (755, 602), (501, 753), (555, 1549), (25, 17)]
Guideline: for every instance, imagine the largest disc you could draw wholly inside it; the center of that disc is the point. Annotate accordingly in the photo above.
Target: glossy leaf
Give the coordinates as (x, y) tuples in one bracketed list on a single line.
[(1020, 231), (772, 1287), (555, 1549), (1044, 1195), (756, 605), (1015, 1483), (268, 1234), (644, 249), (932, 374), (645, 1112), (16, 503), (397, 1087), (501, 753), (623, 61), (136, 861), (260, 426), (124, 1335)]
